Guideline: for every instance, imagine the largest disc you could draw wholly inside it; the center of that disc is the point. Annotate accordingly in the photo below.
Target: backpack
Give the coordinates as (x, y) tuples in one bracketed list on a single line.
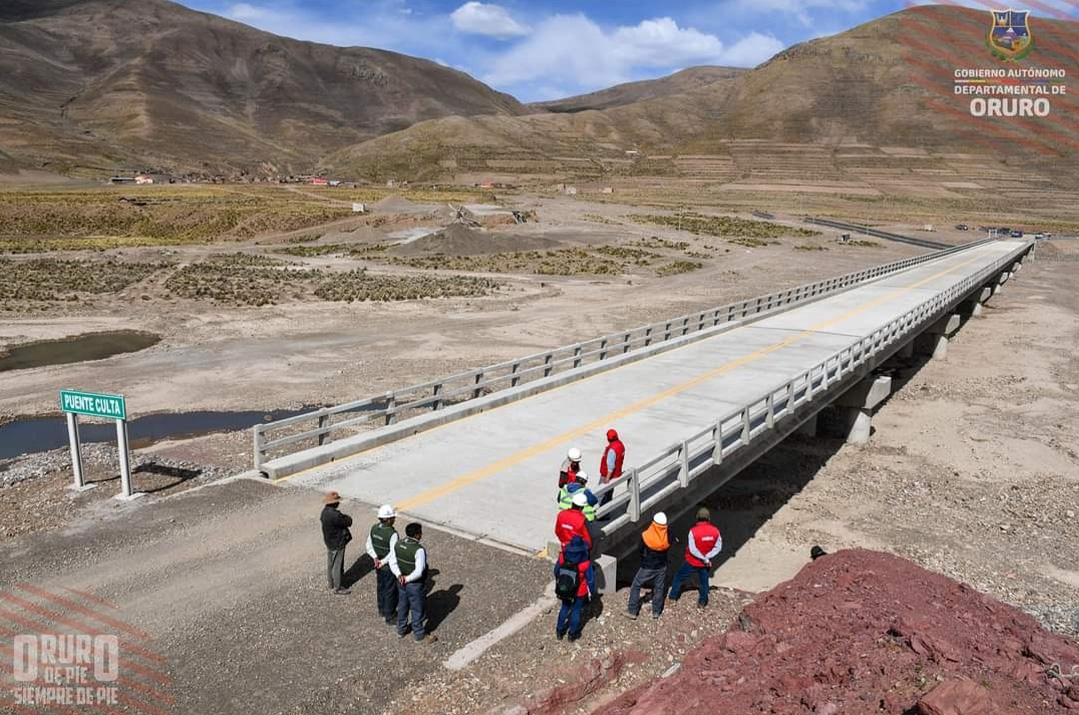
[(566, 582)]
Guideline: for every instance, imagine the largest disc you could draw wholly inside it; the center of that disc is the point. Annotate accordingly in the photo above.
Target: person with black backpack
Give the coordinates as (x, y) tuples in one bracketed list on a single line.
[(574, 581)]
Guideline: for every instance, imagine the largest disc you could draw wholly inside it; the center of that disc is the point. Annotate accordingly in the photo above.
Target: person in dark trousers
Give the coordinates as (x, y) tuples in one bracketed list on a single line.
[(575, 554), (380, 543), (610, 464), (336, 535), (703, 544), (653, 569), (408, 561)]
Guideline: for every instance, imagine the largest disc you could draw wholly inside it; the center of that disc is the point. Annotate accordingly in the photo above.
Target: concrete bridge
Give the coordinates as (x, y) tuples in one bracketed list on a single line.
[(694, 407)]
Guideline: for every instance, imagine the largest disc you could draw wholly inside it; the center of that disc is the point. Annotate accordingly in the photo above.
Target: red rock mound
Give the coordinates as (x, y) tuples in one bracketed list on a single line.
[(864, 632)]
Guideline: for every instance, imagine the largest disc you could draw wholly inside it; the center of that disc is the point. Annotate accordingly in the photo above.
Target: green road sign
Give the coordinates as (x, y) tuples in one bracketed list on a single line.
[(93, 404)]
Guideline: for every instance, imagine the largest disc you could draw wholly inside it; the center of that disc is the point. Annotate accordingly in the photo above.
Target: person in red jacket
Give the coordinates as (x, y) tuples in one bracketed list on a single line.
[(572, 522), (574, 555), (610, 464), (703, 545)]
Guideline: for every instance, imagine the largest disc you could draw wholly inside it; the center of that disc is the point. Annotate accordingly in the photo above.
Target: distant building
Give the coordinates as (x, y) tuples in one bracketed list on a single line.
[(122, 180), (144, 179), (317, 181)]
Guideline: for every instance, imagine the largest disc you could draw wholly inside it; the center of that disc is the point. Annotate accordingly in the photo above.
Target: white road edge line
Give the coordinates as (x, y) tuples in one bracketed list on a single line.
[(468, 653)]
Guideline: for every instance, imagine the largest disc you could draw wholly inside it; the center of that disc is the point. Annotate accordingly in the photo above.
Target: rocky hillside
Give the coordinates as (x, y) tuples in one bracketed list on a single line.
[(100, 84), (630, 92), (888, 83)]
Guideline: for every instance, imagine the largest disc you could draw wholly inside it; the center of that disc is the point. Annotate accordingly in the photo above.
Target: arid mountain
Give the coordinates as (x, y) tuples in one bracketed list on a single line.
[(100, 84), (630, 92), (888, 83)]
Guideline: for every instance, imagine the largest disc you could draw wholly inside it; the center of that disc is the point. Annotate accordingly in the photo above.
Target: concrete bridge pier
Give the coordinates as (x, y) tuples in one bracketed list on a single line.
[(971, 308), (998, 286), (934, 341), (854, 408)]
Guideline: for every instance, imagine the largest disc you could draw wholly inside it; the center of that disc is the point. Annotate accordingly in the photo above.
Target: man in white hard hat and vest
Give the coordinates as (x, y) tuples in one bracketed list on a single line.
[(578, 486), (653, 550), (380, 543)]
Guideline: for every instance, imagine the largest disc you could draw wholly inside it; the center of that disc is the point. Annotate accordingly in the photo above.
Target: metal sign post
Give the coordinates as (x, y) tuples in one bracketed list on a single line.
[(80, 484), (92, 404)]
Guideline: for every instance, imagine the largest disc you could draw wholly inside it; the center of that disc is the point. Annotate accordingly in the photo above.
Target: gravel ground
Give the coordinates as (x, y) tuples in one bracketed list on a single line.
[(230, 582), (532, 672), (35, 492)]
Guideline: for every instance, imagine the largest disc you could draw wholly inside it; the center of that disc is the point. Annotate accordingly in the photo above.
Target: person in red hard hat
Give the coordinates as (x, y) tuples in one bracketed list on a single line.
[(610, 464)]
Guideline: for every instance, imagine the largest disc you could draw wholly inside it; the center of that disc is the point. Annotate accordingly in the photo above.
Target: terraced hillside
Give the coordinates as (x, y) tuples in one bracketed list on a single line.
[(882, 91)]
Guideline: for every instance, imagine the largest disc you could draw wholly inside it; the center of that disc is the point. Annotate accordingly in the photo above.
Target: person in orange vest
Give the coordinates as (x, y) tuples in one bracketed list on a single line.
[(653, 550), (703, 544), (572, 522), (610, 464)]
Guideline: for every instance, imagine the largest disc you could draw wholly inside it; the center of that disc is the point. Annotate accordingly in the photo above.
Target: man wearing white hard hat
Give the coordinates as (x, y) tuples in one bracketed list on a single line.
[(653, 569), (578, 486), (380, 543), (571, 465)]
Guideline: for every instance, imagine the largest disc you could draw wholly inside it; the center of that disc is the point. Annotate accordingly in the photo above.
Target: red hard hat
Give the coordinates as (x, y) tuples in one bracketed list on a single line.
[(611, 434)]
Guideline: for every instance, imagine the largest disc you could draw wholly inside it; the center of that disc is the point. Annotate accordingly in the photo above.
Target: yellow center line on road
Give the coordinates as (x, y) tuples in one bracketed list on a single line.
[(433, 493), (429, 495)]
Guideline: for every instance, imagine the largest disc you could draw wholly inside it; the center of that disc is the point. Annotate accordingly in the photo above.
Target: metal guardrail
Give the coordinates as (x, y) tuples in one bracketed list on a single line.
[(453, 389), (888, 235), (676, 467)]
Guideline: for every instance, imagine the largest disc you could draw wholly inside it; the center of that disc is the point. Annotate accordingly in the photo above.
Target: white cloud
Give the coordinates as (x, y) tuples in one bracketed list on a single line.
[(574, 50), (479, 18), (804, 12), (244, 11)]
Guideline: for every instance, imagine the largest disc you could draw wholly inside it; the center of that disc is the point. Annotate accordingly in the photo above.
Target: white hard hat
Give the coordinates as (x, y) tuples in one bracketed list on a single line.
[(579, 499), (660, 518), (386, 512), (582, 476), (574, 454)]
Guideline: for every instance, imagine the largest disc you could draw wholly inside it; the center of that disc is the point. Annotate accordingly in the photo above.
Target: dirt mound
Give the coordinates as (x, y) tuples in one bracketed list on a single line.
[(460, 240), (858, 632)]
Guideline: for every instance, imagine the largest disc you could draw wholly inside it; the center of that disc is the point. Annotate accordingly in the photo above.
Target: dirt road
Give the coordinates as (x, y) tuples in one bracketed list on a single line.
[(229, 584)]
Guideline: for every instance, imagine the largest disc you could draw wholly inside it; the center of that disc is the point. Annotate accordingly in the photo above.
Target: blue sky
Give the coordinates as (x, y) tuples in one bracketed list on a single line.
[(545, 49)]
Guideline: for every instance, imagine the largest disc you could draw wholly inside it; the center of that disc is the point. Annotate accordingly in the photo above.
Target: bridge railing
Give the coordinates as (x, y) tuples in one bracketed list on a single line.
[(319, 426), (650, 483)]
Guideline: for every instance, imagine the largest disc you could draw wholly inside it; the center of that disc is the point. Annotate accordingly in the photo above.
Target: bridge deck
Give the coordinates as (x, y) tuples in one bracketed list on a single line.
[(494, 474)]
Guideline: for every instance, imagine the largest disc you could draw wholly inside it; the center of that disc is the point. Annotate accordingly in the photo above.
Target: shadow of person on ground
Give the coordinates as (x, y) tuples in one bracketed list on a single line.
[(360, 568), (441, 604), (591, 609)]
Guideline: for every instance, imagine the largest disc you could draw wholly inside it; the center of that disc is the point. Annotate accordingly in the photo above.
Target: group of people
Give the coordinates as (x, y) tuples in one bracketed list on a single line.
[(574, 573), (401, 566)]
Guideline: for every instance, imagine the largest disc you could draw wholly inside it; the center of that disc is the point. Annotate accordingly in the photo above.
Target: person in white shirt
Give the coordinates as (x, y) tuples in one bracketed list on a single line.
[(380, 543), (408, 562)]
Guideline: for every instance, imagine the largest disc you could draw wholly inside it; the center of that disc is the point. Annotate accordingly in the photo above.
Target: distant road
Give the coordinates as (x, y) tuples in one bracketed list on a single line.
[(887, 235)]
